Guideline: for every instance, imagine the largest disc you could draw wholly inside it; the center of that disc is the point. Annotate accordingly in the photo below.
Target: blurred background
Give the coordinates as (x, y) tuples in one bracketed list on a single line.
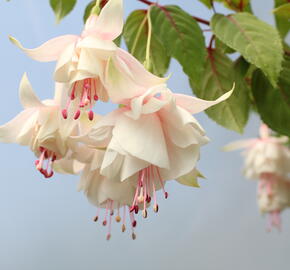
[(46, 224)]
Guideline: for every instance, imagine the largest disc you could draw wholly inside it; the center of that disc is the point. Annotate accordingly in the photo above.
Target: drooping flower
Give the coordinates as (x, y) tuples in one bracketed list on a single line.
[(272, 200), (264, 155), (267, 160), (39, 126), (92, 65), (149, 140)]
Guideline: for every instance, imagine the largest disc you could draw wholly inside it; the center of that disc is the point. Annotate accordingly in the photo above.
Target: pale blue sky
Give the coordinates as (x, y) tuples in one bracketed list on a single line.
[(47, 225)]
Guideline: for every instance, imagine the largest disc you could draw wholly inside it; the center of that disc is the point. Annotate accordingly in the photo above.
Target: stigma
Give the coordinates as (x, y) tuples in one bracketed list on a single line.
[(45, 162)]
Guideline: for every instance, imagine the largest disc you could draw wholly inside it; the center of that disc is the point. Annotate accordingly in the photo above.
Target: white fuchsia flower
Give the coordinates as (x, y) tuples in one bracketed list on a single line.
[(273, 199), (151, 139), (106, 193), (264, 155), (40, 126), (92, 65)]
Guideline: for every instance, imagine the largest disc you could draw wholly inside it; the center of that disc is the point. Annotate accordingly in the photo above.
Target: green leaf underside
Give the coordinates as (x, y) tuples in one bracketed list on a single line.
[(62, 8), (258, 42), (274, 104), (182, 37), (136, 37), (283, 11), (283, 24), (219, 76)]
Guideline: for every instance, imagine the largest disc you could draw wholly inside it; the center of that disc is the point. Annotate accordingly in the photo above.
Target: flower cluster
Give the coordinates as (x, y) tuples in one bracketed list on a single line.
[(267, 160), (124, 157)]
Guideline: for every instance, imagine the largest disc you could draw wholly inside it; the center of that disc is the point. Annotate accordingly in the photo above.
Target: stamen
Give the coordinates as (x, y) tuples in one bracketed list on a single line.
[(97, 216), (155, 206), (107, 210), (161, 183), (64, 113), (124, 219), (77, 114), (110, 220), (118, 218), (86, 94)]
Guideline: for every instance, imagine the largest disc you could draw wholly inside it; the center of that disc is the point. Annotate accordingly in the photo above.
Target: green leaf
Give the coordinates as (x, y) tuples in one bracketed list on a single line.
[(219, 76), (182, 37), (236, 5), (274, 103), (88, 10), (282, 23), (61, 8), (223, 47), (258, 42), (283, 11), (136, 37)]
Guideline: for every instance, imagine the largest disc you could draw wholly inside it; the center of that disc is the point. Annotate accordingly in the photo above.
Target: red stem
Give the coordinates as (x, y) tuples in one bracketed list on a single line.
[(147, 2)]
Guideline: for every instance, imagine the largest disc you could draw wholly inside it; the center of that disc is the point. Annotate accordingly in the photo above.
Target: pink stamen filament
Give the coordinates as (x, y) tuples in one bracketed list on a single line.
[(85, 98)]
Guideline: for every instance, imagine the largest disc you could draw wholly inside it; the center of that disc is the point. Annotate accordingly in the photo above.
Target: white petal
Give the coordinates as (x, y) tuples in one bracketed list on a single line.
[(64, 64), (109, 24), (130, 65), (27, 97), (239, 145), (143, 138), (10, 131), (196, 105), (68, 166), (182, 161), (48, 51)]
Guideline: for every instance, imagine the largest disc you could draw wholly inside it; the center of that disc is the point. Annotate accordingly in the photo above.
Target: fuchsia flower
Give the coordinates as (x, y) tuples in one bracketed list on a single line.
[(267, 154), (267, 160), (151, 139), (41, 127), (92, 65)]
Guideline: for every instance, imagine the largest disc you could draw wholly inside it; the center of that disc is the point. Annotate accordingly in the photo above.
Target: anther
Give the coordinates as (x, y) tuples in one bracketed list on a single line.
[(133, 236), (64, 113), (123, 228), (91, 115), (136, 208), (134, 223), (77, 114), (96, 98), (144, 213), (104, 222), (155, 208), (166, 195), (148, 199), (96, 218), (118, 219), (108, 236)]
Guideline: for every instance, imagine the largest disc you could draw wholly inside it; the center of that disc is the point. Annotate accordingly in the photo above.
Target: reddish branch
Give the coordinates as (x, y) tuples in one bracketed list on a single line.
[(147, 2)]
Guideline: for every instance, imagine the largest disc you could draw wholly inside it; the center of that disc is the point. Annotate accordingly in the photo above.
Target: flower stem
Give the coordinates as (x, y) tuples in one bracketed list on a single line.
[(148, 45)]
